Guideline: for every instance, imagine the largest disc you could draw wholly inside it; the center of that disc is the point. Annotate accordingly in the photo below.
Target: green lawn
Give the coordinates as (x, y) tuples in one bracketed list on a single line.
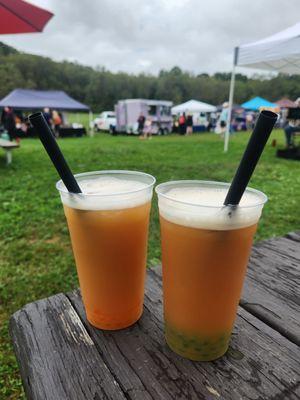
[(35, 253), (81, 118)]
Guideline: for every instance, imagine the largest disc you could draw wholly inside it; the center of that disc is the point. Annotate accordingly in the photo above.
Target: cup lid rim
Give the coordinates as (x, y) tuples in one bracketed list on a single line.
[(263, 196), (62, 189)]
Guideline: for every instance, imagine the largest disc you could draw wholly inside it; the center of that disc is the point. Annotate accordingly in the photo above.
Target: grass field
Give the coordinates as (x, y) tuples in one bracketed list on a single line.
[(81, 118), (35, 253)]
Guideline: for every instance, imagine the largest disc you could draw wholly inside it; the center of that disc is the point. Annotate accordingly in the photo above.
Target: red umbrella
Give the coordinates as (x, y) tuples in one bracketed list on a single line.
[(18, 16)]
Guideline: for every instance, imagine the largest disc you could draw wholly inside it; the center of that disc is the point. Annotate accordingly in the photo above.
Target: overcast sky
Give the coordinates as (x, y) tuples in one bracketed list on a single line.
[(149, 35)]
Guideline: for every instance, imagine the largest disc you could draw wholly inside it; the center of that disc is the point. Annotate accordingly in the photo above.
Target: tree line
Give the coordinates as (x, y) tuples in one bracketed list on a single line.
[(101, 89)]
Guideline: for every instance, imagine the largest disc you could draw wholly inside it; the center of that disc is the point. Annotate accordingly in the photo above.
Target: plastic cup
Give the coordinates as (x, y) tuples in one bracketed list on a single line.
[(205, 250), (109, 235)]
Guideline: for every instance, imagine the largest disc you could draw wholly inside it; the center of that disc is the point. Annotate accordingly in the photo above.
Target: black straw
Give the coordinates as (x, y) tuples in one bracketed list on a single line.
[(46, 136), (261, 133)]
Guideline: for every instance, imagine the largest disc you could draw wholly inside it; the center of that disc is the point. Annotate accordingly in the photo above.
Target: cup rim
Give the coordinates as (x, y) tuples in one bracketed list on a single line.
[(63, 189), (159, 193)]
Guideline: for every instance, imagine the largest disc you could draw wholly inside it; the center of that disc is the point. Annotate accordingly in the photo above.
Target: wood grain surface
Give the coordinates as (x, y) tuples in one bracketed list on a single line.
[(61, 356)]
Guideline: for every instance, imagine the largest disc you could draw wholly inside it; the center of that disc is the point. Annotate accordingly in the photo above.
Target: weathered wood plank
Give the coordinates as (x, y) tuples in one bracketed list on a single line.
[(260, 365), (272, 287), (58, 359), (63, 357), (142, 358), (294, 236)]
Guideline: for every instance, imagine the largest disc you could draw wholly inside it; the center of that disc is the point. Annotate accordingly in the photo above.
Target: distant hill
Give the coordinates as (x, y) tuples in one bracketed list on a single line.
[(101, 89), (5, 50)]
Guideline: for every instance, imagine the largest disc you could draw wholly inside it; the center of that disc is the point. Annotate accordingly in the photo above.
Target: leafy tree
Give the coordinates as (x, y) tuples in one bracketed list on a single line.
[(101, 89)]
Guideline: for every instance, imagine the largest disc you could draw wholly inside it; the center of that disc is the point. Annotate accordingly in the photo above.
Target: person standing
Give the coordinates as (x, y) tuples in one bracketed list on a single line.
[(148, 128), (290, 128), (189, 125), (249, 121), (182, 124), (141, 124), (56, 120), (9, 122), (223, 118), (47, 115), (175, 127)]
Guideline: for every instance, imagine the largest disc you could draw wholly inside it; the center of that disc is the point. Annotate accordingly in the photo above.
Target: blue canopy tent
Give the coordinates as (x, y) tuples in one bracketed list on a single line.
[(257, 103)]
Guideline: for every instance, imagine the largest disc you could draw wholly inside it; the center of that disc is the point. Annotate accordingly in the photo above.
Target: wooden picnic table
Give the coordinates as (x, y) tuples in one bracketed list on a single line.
[(61, 356), (8, 146)]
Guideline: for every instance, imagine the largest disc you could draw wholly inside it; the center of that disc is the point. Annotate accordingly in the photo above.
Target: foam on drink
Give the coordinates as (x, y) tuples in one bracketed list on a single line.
[(200, 205), (102, 192)]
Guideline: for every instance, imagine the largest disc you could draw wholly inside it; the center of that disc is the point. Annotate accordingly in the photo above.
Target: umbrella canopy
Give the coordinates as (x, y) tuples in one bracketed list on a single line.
[(193, 106), (257, 103), (26, 99), (285, 103), (279, 52), (18, 16)]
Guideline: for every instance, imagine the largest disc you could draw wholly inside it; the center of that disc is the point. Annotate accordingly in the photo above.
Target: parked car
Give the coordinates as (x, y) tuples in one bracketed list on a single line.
[(105, 122), (128, 112)]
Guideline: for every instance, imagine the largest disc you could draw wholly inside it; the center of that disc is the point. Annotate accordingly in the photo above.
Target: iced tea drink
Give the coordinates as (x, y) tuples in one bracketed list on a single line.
[(108, 225), (205, 250)]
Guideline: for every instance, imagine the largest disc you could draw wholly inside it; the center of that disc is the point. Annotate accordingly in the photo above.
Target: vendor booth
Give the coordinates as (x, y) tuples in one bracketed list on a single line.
[(203, 113), (279, 52), (259, 104), (31, 100)]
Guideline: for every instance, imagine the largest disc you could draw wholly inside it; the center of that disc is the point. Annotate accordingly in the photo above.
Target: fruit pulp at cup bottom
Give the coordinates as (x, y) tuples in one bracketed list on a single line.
[(203, 273), (110, 249), (195, 346)]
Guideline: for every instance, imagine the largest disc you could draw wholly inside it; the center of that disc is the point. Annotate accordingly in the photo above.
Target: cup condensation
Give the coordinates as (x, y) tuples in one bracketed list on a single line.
[(205, 251), (109, 233)]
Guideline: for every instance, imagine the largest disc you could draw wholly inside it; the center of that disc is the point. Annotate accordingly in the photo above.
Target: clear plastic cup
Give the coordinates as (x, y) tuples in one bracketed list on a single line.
[(109, 232), (205, 250)]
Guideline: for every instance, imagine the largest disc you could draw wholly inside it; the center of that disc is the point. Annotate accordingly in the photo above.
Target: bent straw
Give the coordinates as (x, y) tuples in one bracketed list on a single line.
[(261, 133), (47, 138)]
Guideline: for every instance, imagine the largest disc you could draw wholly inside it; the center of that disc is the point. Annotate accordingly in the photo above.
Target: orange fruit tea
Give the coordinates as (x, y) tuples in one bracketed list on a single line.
[(108, 225), (205, 250)]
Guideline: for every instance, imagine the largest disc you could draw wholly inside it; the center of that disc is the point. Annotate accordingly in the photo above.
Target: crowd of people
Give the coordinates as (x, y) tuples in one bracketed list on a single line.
[(16, 125), (146, 126), (185, 124), (54, 119)]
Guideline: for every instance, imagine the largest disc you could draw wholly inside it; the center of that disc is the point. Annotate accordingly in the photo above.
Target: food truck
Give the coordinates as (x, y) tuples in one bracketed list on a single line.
[(158, 111)]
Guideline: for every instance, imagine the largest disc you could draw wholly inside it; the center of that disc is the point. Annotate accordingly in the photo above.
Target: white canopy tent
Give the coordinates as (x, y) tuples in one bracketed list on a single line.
[(279, 52), (193, 106)]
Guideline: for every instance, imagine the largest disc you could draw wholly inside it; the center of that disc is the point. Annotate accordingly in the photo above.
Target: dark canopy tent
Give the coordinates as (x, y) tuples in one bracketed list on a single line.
[(31, 100), (27, 99)]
